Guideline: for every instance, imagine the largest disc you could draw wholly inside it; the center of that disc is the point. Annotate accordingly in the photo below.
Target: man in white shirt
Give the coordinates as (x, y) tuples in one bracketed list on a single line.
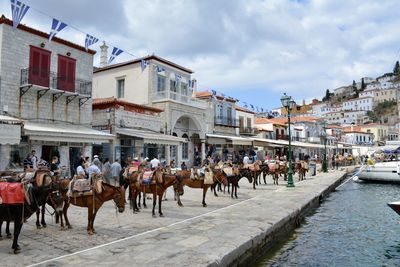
[(246, 160), (154, 163), (93, 169)]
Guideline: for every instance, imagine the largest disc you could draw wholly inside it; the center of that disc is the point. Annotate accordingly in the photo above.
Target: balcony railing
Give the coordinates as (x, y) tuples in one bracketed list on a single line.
[(282, 137), (170, 95), (248, 131), (51, 80), (226, 121), (299, 139)]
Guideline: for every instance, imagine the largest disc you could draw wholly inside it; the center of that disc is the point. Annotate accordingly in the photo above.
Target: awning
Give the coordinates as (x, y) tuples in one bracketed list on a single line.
[(270, 142), (152, 137), (63, 132), (10, 130), (235, 140)]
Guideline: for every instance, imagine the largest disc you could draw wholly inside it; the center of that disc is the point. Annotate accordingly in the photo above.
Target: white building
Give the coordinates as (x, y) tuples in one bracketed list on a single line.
[(361, 103), (344, 117), (48, 85), (354, 135), (245, 118), (164, 85)]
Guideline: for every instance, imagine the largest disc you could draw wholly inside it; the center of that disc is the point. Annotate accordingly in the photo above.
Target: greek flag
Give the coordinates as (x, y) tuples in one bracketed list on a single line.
[(116, 52), (192, 83), (262, 110), (56, 27), (18, 10), (144, 64), (160, 69), (252, 107), (90, 40), (177, 78), (257, 109)]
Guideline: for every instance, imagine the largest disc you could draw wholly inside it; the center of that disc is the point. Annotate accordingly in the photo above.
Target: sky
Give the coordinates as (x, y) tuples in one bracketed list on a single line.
[(252, 50)]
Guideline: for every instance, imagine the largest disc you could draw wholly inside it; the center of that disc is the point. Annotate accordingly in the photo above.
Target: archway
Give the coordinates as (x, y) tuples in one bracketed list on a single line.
[(189, 128)]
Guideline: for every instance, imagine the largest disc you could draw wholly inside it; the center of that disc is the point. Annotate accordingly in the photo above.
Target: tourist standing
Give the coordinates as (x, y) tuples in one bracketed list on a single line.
[(154, 163), (34, 160), (246, 160), (183, 166), (80, 171), (107, 170), (93, 170), (54, 166), (115, 172)]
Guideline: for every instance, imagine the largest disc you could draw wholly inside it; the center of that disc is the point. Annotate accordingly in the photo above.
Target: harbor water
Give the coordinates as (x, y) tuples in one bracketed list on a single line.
[(352, 227)]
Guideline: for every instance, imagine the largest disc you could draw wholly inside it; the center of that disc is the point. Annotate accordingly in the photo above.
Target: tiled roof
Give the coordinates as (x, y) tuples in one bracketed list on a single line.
[(207, 94), (4, 20), (244, 109), (109, 101), (138, 60)]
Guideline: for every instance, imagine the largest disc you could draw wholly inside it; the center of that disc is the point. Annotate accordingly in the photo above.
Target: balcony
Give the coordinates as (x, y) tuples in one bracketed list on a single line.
[(248, 131), (282, 137), (299, 139), (226, 121), (180, 98), (50, 80)]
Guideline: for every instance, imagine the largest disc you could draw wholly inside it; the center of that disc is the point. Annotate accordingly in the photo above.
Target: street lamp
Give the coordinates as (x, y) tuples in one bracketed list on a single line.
[(324, 162), (289, 104)]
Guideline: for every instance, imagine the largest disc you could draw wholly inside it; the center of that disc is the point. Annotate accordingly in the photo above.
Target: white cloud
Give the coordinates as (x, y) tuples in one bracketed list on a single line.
[(303, 47)]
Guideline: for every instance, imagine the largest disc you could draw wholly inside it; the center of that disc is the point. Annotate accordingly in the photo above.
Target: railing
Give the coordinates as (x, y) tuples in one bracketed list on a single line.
[(49, 79), (226, 121), (170, 95), (282, 137), (248, 131), (299, 139)]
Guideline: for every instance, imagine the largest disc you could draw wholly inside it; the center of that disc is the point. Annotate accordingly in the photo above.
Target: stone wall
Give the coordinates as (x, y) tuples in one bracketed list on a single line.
[(15, 51)]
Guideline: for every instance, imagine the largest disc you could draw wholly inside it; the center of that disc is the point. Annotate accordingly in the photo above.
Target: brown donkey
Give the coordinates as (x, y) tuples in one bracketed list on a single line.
[(184, 179), (93, 202)]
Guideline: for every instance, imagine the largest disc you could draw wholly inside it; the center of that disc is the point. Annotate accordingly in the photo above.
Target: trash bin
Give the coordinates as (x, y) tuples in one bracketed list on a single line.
[(313, 168)]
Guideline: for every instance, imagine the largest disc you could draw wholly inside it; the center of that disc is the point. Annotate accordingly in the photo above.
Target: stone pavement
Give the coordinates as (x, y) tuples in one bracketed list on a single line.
[(187, 236)]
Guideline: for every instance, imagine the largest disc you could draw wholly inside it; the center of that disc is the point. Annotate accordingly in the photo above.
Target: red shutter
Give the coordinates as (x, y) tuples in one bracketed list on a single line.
[(66, 73), (39, 66)]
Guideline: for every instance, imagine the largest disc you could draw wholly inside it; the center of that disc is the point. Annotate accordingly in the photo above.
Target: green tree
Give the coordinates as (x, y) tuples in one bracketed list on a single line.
[(396, 68), (362, 84)]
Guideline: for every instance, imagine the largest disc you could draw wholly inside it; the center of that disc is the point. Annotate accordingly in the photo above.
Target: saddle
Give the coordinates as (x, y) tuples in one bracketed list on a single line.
[(228, 171), (82, 187), (12, 193), (197, 174), (208, 176), (271, 166)]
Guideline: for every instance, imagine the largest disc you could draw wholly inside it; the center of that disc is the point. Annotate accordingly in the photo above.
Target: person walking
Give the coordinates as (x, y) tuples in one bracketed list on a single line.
[(115, 172), (154, 163), (107, 171), (93, 170)]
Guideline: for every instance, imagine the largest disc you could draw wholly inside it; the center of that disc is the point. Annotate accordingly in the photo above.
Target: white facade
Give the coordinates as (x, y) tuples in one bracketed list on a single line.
[(358, 138), (246, 122), (362, 103), (183, 116), (344, 117)]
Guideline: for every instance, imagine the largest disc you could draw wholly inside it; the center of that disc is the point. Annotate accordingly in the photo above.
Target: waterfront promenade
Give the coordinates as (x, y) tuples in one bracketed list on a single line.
[(228, 231)]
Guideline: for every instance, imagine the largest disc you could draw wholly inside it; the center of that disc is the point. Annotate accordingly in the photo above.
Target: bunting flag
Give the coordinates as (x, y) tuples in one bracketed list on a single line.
[(116, 52), (262, 110), (144, 64), (56, 27), (177, 78), (18, 11), (252, 107), (257, 109), (192, 83), (159, 69), (90, 40)]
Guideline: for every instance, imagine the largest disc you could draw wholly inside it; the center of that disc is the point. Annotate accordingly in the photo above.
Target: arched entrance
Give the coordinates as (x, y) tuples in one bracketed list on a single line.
[(190, 152)]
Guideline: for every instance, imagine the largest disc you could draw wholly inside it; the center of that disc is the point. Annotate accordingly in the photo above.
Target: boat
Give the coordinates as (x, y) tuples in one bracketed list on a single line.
[(381, 172), (395, 205)]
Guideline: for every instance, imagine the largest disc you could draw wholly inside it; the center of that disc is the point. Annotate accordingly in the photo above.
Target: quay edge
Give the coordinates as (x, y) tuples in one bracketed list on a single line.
[(249, 252)]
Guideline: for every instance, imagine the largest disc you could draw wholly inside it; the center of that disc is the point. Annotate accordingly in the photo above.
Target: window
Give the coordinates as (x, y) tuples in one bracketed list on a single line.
[(241, 123), (66, 73), (248, 122), (160, 83), (220, 111), (229, 114), (185, 147), (173, 86), (121, 88), (184, 89), (39, 66)]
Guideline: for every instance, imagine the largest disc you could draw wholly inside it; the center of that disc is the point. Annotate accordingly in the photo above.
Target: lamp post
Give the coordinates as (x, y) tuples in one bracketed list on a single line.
[(289, 103), (324, 162)]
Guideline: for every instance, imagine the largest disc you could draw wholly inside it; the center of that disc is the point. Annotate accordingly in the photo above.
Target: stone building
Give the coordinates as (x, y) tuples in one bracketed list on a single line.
[(138, 129), (48, 86), (164, 85)]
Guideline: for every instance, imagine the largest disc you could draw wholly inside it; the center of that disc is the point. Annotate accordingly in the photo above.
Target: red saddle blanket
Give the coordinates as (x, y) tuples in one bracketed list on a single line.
[(11, 193)]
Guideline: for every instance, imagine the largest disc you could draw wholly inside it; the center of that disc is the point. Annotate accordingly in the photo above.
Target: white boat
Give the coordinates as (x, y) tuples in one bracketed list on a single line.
[(381, 172)]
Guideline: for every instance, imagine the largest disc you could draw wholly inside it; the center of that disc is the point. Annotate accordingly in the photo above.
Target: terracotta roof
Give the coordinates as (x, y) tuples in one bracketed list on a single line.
[(244, 109), (208, 94), (266, 121), (138, 60), (101, 103), (4, 20)]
